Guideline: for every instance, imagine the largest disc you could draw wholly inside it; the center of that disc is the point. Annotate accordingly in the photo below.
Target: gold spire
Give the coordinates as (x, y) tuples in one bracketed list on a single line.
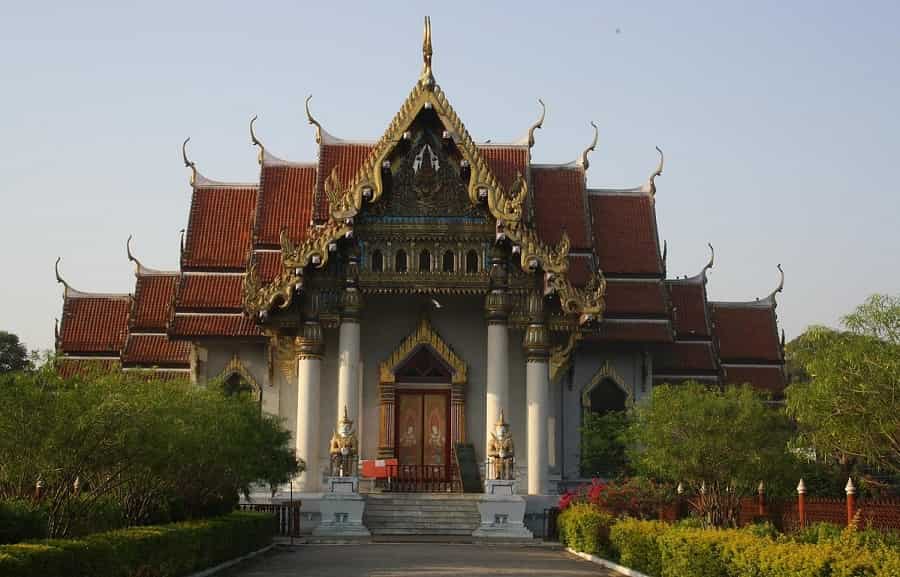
[(427, 78), (313, 121)]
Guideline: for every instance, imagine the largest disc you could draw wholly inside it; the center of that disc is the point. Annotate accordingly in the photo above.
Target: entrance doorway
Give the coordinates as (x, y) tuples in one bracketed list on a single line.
[(422, 428)]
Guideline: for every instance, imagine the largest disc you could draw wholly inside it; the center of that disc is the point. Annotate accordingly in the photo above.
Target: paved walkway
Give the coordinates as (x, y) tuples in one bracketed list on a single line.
[(414, 559)]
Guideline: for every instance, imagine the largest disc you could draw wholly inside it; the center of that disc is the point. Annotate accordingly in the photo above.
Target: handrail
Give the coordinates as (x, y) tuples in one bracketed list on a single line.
[(423, 479)]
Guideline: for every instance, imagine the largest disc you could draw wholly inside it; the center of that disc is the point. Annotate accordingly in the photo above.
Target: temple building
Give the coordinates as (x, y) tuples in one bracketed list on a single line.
[(426, 281)]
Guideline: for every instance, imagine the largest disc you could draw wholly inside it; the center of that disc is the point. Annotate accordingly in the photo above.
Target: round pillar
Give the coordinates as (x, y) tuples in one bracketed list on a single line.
[(348, 359), (310, 347), (537, 393)]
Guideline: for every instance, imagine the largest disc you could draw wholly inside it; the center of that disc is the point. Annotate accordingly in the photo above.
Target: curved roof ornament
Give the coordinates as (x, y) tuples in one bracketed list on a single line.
[(313, 121), (427, 78), (651, 182), (583, 159), (538, 124), (712, 260), (780, 286), (255, 141), (59, 278), (137, 264), (188, 163)]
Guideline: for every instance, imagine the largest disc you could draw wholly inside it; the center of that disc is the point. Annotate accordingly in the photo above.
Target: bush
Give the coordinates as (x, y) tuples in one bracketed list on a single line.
[(161, 551), (21, 520), (585, 528), (635, 544)]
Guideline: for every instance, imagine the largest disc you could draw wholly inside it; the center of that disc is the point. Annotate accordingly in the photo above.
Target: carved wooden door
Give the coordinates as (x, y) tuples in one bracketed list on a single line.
[(423, 427)]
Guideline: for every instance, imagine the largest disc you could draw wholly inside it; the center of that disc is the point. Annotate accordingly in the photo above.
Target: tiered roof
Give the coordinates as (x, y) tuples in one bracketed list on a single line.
[(612, 232)]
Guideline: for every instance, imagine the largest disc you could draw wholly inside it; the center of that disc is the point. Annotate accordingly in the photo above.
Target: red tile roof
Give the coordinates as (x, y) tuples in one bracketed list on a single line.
[(559, 204), (268, 265), (345, 158), (216, 292), (636, 331), (285, 202), (153, 298), (746, 332), (213, 325), (684, 357), (580, 269), (219, 228), (506, 162), (68, 368), (625, 236), (689, 304), (762, 378), (94, 323), (638, 297), (156, 350)]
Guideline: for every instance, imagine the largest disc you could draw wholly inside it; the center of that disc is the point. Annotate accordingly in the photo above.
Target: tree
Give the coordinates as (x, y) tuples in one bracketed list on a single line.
[(603, 443), (849, 406), (13, 354), (719, 443)]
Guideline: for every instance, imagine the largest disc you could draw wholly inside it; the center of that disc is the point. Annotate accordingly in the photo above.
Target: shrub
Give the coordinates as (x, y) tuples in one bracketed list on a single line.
[(635, 544), (21, 520), (159, 551), (585, 528)]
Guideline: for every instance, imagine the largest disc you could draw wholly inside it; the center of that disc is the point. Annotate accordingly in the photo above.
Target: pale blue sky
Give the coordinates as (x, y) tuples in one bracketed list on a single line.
[(778, 119)]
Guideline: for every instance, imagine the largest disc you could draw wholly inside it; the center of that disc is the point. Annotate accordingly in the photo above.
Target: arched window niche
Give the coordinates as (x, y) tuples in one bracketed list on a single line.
[(400, 264), (447, 265), (377, 261), (471, 262), (424, 260)]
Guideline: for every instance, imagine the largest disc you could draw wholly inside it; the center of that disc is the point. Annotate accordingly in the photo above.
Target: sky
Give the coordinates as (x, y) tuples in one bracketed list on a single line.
[(779, 123)]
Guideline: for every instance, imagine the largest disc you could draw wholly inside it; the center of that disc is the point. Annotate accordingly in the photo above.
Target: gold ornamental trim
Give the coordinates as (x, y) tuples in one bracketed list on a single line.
[(561, 356), (424, 335), (606, 372), (236, 367)]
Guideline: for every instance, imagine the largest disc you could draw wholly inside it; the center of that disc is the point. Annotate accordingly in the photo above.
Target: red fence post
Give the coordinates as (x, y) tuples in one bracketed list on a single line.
[(850, 489), (761, 500), (801, 503)]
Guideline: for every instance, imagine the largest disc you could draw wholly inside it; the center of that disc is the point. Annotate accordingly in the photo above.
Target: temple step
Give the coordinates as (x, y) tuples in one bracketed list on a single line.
[(421, 514)]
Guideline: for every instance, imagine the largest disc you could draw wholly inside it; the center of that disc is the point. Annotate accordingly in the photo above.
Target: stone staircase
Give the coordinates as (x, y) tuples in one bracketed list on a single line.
[(448, 514)]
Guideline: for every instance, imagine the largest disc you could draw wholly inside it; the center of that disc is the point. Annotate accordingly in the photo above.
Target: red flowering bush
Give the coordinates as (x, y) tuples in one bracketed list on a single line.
[(634, 497)]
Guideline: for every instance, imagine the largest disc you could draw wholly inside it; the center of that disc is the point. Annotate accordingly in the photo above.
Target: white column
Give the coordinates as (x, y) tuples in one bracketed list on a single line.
[(348, 369), (497, 376), (537, 383), (309, 346)]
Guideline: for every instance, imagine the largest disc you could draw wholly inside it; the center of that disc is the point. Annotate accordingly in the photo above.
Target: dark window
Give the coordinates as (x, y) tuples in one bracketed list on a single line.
[(425, 261), (607, 396), (471, 262), (235, 384), (400, 261), (448, 261), (377, 261)]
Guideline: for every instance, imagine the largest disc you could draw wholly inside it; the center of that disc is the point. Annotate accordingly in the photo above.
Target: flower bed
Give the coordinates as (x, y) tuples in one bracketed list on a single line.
[(154, 551)]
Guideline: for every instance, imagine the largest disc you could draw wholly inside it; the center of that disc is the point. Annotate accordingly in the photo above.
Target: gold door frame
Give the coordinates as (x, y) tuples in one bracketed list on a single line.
[(424, 335)]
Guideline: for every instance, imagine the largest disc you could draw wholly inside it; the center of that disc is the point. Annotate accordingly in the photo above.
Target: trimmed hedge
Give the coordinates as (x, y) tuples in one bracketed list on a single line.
[(584, 527), (155, 551), (672, 551)]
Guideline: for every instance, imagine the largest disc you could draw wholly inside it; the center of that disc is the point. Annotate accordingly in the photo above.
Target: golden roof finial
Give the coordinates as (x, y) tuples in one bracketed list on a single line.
[(255, 141), (536, 125), (712, 259), (59, 279), (780, 286), (313, 121), (187, 162), (651, 183), (583, 160), (131, 257), (427, 78)]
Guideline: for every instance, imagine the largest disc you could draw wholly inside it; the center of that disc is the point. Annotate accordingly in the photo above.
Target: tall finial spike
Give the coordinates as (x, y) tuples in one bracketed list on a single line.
[(427, 78), (583, 160), (536, 125), (313, 121), (187, 162), (59, 278), (131, 257), (651, 182), (255, 141)]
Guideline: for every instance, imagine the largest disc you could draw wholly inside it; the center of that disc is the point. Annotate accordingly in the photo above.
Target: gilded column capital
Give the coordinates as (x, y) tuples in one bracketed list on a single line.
[(537, 336), (351, 304), (310, 343), (497, 307)]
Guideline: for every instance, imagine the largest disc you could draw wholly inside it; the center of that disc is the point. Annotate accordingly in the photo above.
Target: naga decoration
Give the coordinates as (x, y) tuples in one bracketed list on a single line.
[(256, 142), (650, 187), (501, 452), (187, 162), (507, 208), (131, 257), (536, 125), (583, 159), (712, 260), (561, 356), (343, 448)]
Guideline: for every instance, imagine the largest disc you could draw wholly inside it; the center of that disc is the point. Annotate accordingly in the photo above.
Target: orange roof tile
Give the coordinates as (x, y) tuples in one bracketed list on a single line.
[(285, 202), (213, 325), (506, 162), (685, 357), (632, 331), (625, 237), (219, 228), (153, 298), (94, 323), (156, 350), (638, 297), (689, 304), (345, 159), (268, 265), (762, 378), (198, 292), (558, 193), (746, 332)]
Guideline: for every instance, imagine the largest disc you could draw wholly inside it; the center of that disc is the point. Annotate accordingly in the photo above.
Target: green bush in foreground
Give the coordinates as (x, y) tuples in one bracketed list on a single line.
[(635, 546), (159, 551), (584, 527)]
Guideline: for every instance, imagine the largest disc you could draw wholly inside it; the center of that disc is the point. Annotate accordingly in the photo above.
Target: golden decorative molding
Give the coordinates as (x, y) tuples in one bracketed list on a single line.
[(606, 371), (424, 335), (561, 356), (236, 367)]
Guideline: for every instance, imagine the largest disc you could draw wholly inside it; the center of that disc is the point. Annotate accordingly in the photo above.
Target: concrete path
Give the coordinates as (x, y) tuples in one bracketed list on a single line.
[(414, 559)]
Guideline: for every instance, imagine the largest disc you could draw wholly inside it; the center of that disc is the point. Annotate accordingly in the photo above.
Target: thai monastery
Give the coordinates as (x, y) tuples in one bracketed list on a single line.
[(426, 281)]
